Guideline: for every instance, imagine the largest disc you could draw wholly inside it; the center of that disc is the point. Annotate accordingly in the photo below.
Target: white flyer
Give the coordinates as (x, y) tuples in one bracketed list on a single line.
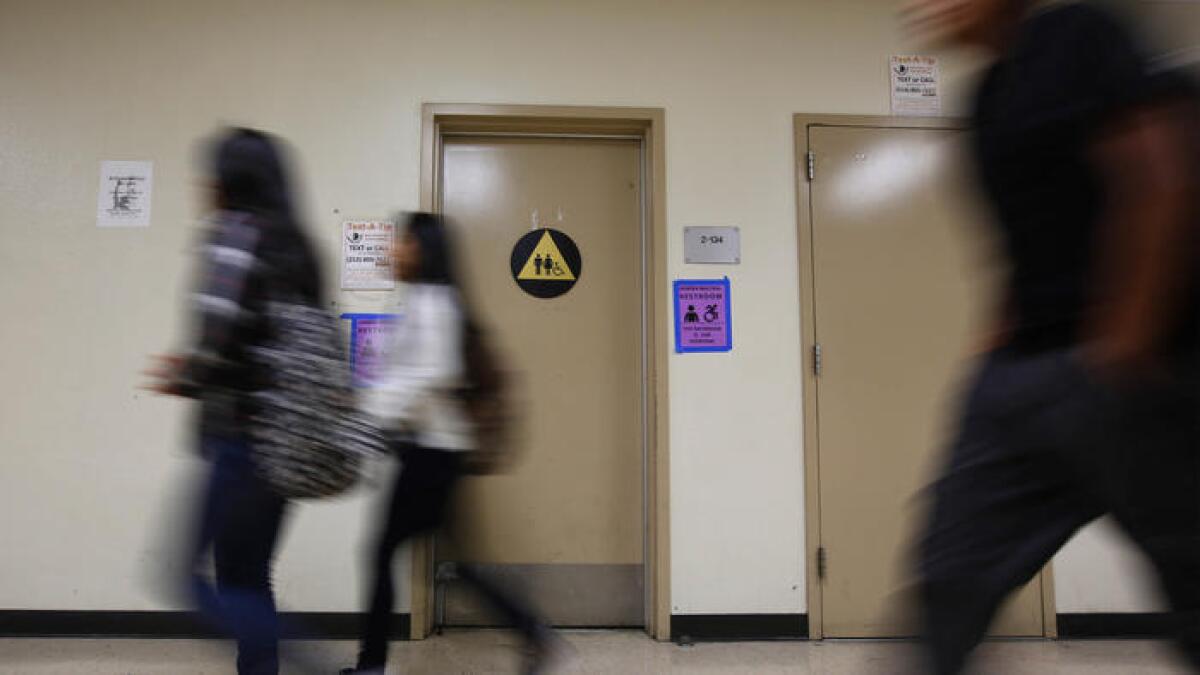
[(367, 255), (916, 85), (125, 194)]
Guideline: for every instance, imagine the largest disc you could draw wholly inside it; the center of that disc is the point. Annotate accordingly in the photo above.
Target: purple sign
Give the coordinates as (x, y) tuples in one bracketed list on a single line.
[(702, 321), (370, 335)]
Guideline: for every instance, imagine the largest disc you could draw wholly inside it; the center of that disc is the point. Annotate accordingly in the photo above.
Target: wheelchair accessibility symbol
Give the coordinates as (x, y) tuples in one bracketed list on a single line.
[(546, 263)]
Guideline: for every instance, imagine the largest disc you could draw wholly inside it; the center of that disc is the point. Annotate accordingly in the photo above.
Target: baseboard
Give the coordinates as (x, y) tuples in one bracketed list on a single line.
[(345, 625), (714, 627), (30, 623), (1115, 625)]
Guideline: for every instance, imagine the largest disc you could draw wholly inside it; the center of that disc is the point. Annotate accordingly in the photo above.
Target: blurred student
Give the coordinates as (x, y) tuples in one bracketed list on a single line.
[(419, 401), (1088, 404), (254, 241)]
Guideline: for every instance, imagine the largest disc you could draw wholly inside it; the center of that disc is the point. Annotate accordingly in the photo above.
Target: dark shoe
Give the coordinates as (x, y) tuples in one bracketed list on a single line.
[(544, 649), (361, 671)]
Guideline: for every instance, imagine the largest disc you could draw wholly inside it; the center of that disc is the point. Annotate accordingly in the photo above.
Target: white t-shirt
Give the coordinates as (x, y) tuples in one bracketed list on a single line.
[(418, 391)]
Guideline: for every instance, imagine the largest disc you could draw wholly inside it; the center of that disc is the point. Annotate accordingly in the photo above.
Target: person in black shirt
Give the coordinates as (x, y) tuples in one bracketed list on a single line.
[(1087, 402)]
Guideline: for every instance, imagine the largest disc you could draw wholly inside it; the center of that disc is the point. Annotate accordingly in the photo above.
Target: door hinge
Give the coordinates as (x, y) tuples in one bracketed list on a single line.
[(812, 165), (817, 364), (821, 562)]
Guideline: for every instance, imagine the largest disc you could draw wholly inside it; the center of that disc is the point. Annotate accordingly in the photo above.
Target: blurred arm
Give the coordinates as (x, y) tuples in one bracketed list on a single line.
[(1146, 164), (230, 268)]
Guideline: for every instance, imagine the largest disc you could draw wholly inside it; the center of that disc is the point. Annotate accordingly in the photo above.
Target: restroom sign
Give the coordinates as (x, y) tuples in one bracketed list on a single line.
[(370, 338), (546, 263), (702, 316)]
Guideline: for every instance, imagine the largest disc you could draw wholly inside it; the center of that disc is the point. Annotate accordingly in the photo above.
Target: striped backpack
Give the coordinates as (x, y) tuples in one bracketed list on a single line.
[(308, 438)]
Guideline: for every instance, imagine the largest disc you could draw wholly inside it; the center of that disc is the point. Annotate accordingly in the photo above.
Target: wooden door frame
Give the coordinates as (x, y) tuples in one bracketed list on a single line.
[(812, 479), (648, 124)]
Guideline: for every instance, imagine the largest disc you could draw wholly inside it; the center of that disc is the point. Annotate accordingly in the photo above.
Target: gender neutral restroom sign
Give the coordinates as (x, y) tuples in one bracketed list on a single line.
[(546, 263), (702, 316), (370, 337)]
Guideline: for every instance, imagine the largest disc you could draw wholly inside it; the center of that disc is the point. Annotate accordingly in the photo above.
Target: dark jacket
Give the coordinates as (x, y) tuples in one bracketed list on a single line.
[(246, 260)]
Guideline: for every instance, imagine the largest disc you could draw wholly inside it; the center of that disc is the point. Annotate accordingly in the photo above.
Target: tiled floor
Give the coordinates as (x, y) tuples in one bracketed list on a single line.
[(593, 652)]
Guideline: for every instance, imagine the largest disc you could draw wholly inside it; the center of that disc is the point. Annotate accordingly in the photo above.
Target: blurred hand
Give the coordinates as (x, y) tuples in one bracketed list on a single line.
[(932, 20), (164, 373), (955, 21)]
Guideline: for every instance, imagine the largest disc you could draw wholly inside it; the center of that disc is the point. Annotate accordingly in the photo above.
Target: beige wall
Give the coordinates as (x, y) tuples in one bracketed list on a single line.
[(87, 463)]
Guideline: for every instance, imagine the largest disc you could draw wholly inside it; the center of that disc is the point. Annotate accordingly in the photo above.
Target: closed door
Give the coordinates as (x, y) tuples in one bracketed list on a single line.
[(902, 284), (566, 527)]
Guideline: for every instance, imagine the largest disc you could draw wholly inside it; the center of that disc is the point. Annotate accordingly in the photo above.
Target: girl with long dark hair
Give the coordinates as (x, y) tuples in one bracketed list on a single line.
[(254, 247), (419, 402)]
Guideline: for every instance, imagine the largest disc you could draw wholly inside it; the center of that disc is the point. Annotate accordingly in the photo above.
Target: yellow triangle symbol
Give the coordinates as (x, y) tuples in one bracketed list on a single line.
[(546, 263)]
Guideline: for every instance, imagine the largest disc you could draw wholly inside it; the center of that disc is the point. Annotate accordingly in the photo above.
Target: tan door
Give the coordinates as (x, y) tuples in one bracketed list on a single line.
[(902, 284), (567, 525)]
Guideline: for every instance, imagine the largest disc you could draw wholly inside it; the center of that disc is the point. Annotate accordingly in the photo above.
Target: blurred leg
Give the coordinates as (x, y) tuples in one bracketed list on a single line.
[(1157, 500), (1004, 504), (510, 606), (994, 527), (417, 505), (243, 551), (208, 518), (378, 621)]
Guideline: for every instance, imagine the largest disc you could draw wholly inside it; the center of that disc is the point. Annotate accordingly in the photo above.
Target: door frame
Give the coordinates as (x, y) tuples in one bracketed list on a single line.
[(648, 125), (808, 339)]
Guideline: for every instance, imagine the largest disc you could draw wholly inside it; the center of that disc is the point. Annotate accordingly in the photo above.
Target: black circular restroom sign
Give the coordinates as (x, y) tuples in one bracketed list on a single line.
[(546, 263)]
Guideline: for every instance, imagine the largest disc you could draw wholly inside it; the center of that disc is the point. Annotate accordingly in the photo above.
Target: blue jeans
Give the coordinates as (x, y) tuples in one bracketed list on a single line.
[(239, 522)]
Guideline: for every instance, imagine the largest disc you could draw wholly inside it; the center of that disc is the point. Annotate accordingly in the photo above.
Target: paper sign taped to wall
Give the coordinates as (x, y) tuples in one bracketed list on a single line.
[(702, 316), (916, 85), (125, 194), (367, 255)]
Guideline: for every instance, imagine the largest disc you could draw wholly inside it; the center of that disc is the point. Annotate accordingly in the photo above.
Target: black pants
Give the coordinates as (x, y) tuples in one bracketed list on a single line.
[(238, 522), (420, 501), (1043, 448)]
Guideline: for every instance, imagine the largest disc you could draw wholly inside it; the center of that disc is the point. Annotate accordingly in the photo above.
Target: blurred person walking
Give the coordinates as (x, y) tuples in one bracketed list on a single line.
[(254, 247), (1088, 402), (420, 401)]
